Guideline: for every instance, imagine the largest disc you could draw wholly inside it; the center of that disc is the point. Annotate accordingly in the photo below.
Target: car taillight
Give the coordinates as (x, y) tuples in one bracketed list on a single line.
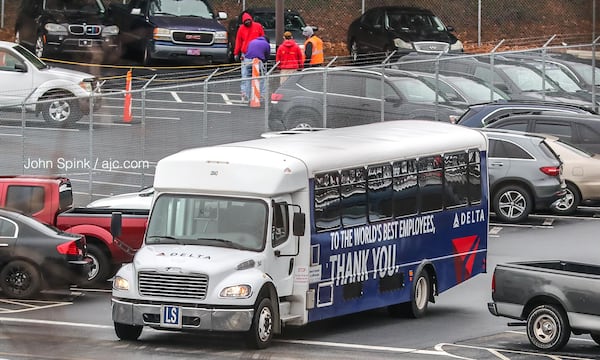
[(550, 170), (69, 248), (276, 97), (493, 282)]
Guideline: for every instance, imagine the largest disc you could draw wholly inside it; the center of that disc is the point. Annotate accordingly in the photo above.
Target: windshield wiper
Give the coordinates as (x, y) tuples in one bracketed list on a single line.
[(229, 243), (165, 239), (164, 13)]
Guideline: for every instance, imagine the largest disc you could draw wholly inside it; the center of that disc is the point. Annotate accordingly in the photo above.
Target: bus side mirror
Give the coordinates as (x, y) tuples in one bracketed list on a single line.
[(298, 224), (116, 224)]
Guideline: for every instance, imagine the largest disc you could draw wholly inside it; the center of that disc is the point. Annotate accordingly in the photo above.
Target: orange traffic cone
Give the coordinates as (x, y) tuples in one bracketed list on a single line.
[(255, 96), (127, 108)]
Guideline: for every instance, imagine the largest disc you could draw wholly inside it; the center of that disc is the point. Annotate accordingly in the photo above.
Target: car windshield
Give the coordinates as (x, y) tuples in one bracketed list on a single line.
[(574, 148), (210, 221), (557, 74), (476, 92), (34, 60), (416, 90), (86, 6), (414, 22), (292, 21), (585, 71), (527, 79), (197, 8)]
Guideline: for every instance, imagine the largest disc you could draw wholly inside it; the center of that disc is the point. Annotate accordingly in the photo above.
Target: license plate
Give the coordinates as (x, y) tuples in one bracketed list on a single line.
[(170, 316), (193, 52), (85, 43)]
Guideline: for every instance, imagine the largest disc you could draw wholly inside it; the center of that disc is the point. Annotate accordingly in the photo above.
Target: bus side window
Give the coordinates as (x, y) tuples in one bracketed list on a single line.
[(474, 176), (281, 224)]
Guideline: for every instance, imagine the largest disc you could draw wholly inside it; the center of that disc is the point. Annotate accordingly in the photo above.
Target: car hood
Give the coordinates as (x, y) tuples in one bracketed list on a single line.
[(62, 73), (77, 17), (189, 23), (412, 36)]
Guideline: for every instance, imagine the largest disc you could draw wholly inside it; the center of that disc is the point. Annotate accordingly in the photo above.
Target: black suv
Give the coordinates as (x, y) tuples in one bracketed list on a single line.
[(404, 29), (354, 97), (52, 27)]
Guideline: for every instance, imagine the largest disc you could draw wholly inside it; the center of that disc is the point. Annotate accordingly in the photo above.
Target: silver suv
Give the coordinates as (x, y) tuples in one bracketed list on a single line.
[(524, 174)]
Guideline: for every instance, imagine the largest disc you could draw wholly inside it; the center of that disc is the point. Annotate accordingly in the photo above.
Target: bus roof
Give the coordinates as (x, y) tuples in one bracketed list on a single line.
[(277, 165)]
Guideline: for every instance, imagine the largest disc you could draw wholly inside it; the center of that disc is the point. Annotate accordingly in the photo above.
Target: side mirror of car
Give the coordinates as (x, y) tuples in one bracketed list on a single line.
[(136, 11), (222, 15), (394, 100), (502, 87), (20, 67), (450, 28)]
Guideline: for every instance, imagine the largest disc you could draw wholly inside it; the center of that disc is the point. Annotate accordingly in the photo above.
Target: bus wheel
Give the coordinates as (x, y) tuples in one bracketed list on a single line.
[(128, 332), (261, 332), (417, 306), (548, 328)]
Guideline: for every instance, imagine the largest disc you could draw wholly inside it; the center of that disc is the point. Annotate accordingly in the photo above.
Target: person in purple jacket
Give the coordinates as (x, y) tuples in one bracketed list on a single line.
[(258, 48)]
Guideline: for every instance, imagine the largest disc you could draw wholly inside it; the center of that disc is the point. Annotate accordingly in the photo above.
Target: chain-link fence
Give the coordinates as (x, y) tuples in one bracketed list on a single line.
[(106, 152)]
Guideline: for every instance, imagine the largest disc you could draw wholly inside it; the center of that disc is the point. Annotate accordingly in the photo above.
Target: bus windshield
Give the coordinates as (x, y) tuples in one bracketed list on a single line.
[(211, 221)]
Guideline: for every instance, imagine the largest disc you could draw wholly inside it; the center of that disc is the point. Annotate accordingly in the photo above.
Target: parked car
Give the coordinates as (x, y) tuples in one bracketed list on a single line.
[(53, 27), (581, 130), (62, 96), (401, 29), (171, 30), (581, 171), (354, 97), (34, 256), (524, 175), (519, 82), (140, 200), (554, 297), (293, 22), (480, 115)]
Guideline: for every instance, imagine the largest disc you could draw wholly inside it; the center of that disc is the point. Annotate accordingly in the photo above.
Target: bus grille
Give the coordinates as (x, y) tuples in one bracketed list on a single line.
[(190, 286)]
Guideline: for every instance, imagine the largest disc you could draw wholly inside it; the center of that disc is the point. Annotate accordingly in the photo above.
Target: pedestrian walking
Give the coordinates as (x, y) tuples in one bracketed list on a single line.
[(260, 49), (289, 56), (248, 31), (313, 48)]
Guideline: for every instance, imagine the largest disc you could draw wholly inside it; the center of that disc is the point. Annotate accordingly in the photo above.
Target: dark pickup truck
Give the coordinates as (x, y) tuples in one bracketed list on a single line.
[(554, 297), (50, 200), (175, 30)]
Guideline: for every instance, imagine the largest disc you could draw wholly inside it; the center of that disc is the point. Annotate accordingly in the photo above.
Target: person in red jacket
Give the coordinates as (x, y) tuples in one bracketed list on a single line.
[(289, 57), (248, 31)]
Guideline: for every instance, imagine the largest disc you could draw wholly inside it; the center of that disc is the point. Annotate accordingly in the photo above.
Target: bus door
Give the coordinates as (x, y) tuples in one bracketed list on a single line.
[(284, 245)]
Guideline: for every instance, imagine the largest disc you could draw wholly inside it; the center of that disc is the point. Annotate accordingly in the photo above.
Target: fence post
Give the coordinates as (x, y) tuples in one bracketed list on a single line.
[(143, 127), (23, 124), (267, 96), (544, 66), (91, 147), (437, 85), (205, 108), (382, 89), (594, 105), (325, 90), (492, 68)]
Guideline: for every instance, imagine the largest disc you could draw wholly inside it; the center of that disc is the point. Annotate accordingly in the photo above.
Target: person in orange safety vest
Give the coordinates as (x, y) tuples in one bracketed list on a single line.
[(313, 48)]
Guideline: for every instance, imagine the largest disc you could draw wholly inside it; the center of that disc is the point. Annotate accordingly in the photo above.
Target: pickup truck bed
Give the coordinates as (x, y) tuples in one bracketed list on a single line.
[(555, 298)]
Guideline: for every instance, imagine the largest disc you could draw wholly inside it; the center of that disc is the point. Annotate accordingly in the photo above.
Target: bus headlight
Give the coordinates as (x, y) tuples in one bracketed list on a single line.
[(120, 283), (236, 291)]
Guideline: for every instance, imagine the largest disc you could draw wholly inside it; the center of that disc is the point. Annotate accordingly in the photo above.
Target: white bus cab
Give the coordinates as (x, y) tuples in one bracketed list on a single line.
[(257, 235)]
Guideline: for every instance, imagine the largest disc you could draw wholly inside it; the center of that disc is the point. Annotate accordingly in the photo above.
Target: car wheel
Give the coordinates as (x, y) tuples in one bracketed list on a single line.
[(301, 118), (40, 47), (147, 58), (128, 332), (512, 204), (354, 55), (548, 328), (417, 306), (596, 338), (568, 204), (261, 332), (20, 280), (60, 109), (100, 271)]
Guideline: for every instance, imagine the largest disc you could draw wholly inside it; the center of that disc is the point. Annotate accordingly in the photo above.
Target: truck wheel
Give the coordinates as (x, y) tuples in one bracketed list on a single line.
[(512, 204), (596, 337), (548, 328), (20, 280), (417, 307), (261, 332), (60, 109), (40, 47), (100, 265), (568, 204), (128, 332), (147, 57)]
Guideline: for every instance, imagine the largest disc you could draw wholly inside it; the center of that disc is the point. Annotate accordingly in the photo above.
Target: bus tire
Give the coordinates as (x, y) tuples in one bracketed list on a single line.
[(417, 306), (261, 332), (128, 332), (548, 328)]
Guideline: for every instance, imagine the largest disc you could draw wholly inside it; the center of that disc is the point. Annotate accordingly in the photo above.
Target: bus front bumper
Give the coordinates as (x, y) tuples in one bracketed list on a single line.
[(193, 318)]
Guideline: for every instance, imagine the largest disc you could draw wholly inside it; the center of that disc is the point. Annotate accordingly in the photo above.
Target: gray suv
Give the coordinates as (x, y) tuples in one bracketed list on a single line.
[(524, 173)]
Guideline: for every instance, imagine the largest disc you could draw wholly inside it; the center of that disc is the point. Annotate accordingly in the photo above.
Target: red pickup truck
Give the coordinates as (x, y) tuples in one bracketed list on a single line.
[(50, 200)]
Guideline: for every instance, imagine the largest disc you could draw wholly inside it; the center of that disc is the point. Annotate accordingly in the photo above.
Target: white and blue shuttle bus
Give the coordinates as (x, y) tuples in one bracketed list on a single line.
[(257, 235)]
